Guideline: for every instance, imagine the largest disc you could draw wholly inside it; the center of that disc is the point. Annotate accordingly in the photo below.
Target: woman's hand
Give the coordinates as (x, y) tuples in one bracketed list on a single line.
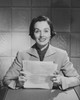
[(22, 78), (57, 81)]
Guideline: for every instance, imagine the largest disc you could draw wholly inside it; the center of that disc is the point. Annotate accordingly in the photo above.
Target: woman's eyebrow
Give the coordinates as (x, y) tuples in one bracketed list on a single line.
[(39, 29), (47, 28), (36, 28)]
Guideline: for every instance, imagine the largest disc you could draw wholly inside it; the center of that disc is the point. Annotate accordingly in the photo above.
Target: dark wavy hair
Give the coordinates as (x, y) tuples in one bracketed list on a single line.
[(37, 19)]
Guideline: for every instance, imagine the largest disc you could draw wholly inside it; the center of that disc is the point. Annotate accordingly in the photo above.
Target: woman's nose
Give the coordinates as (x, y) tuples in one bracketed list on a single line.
[(41, 33)]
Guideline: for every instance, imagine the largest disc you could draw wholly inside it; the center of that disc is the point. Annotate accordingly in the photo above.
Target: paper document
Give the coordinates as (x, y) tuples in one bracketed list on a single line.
[(38, 73)]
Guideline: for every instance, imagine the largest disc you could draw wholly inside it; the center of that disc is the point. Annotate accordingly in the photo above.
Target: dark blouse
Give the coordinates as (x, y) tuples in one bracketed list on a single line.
[(41, 53)]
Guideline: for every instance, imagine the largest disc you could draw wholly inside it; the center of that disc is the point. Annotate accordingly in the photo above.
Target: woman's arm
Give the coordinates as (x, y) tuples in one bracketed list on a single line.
[(71, 77), (12, 74)]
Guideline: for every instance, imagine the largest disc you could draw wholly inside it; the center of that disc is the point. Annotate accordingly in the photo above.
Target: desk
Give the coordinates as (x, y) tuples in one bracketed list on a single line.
[(40, 94)]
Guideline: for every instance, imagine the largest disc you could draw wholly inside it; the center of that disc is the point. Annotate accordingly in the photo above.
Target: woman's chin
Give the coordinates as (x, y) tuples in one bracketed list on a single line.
[(42, 44)]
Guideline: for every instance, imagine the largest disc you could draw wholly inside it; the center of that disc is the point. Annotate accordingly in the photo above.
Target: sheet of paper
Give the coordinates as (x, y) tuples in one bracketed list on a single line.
[(39, 73)]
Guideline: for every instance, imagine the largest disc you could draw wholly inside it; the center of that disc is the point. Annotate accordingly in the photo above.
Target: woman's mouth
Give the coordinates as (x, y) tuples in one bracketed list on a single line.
[(42, 39)]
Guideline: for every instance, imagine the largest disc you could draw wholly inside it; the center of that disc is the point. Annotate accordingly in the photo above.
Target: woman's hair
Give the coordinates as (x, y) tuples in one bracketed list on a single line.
[(37, 19)]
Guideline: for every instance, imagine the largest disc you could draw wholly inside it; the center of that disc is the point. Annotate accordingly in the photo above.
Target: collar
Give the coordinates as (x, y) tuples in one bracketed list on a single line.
[(50, 51)]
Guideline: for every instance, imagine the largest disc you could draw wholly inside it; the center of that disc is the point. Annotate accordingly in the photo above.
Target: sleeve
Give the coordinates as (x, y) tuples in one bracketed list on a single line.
[(13, 72), (71, 77)]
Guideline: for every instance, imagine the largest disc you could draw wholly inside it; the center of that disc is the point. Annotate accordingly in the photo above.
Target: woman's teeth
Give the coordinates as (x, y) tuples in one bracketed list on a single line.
[(42, 39)]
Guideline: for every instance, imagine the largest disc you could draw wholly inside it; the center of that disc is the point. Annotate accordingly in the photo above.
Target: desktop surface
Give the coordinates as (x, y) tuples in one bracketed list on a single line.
[(40, 94)]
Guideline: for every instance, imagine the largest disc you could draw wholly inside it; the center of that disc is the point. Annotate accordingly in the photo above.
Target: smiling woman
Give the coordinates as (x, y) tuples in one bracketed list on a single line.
[(65, 77)]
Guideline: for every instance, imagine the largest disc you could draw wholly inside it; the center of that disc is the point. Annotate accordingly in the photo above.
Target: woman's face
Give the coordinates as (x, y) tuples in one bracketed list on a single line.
[(42, 33)]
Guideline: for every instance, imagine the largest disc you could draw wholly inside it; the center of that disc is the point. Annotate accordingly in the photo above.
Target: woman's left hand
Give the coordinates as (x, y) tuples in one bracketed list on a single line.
[(57, 79)]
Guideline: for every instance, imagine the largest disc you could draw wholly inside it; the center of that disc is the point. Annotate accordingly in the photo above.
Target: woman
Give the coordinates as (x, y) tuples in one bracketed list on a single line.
[(42, 30)]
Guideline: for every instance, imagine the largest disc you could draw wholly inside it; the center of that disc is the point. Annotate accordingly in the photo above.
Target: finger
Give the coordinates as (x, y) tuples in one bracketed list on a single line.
[(22, 72), (22, 78), (57, 80), (56, 73), (54, 79), (25, 73)]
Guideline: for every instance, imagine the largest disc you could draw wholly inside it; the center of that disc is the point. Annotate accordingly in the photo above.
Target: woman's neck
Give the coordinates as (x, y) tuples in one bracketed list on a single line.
[(42, 47)]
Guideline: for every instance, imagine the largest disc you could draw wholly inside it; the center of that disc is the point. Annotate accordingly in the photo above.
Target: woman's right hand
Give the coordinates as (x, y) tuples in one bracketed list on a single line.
[(22, 78)]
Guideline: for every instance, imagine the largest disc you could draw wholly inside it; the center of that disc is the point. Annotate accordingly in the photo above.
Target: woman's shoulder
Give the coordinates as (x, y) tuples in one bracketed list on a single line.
[(23, 52), (58, 50)]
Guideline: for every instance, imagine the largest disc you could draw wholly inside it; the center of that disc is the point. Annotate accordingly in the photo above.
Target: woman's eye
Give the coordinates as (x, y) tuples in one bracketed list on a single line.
[(37, 31), (46, 31)]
